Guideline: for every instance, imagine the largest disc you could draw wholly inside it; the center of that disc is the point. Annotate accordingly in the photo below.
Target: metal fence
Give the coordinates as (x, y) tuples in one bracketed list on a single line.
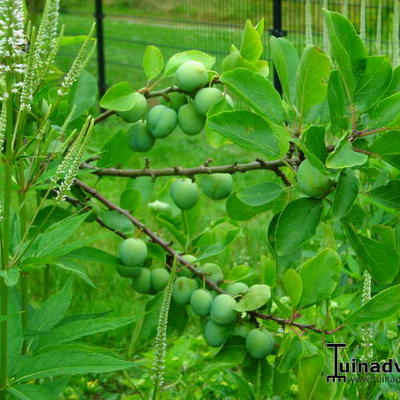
[(123, 37)]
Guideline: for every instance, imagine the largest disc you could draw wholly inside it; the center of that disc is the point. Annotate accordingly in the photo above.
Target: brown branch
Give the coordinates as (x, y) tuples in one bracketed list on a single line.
[(190, 172), (173, 253), (104, 116)]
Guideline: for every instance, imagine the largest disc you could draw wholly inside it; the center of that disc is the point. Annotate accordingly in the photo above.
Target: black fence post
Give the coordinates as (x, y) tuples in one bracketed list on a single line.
[(101, 62), (277, 31)]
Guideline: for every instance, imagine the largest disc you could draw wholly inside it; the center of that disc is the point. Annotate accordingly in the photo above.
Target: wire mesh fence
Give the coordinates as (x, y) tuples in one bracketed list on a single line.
[(213, 25)]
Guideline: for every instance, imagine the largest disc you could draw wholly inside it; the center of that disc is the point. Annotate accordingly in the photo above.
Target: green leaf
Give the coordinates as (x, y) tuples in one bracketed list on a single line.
[(191, 55), (383, 305), (386, 112), (247, 130), (48, 242), (116, 152), (388, 195), (320, 275), (286, 61), (30, 392), (130, 199), (387, 144), (257, 92), (95, 255), (153, 62), (67, 362), (312, 79), (79, 329), (379, 257), (232, 352), (83, 95), (296, 224), (291, 356), (74, 268), (345, 194), (308, 376), (52, 311), (251, 48), (259, 194), (10, 276), (345, 157), (254, 298), (337, 103), (117, 221), (372, 83), (312, 143), (239, 211), (119, 97), (293, 285)]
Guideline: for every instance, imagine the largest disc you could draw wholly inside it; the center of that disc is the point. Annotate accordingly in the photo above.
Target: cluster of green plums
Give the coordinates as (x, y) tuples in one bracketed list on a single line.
[(218, 309), (185, 193), (187, 108)]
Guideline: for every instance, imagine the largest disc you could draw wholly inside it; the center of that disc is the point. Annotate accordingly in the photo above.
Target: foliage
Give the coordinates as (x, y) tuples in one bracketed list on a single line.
[(326, 151)]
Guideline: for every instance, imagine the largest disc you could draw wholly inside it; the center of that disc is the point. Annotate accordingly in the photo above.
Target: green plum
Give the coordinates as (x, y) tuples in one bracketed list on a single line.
[(184, 193), (133, 251), (137, 111), (161, 121), (200, 301), (215, 334), (159, 279), (312, 182), (216, 186), (176, 100), (191, 75), (183, 289), (142, 282), (139, 139), (236, 288), (190, 121), (259, 343), (206, 98), (212, 271), (222, 309)]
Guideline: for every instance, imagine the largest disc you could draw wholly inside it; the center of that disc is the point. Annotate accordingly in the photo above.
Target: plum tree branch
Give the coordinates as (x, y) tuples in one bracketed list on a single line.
[(172, 252), (190, 172)]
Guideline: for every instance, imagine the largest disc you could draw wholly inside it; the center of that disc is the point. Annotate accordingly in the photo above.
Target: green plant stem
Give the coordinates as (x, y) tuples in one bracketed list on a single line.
[(6, 246), (186, 230)]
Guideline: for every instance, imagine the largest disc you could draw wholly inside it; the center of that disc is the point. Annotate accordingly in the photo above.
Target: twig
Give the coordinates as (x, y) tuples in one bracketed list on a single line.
[(166, 246), (104, 116), (180, 171)]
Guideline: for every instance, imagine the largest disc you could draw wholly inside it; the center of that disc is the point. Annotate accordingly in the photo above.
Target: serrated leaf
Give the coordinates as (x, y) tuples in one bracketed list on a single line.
[(251, 48), (345, 157)]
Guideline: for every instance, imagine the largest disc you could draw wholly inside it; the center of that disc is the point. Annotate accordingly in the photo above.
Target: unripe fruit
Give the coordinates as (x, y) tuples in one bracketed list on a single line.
[(185, 271), (159, 279), (200, 301), (191, 75), (311, 182), (213, 272), (142, 282), (133, 251), (183, 289), (161, 121), (184, 193), (190, 121), (216, 186), (215, 334), (176, 100), (242, 330), (128, 271), (236, 288), (222, 309), (206, 98), (139, 139), (137, 111), (259, 343)]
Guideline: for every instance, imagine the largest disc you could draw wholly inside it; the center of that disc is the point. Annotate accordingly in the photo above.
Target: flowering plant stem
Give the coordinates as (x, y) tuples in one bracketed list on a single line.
[(5, 245)]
